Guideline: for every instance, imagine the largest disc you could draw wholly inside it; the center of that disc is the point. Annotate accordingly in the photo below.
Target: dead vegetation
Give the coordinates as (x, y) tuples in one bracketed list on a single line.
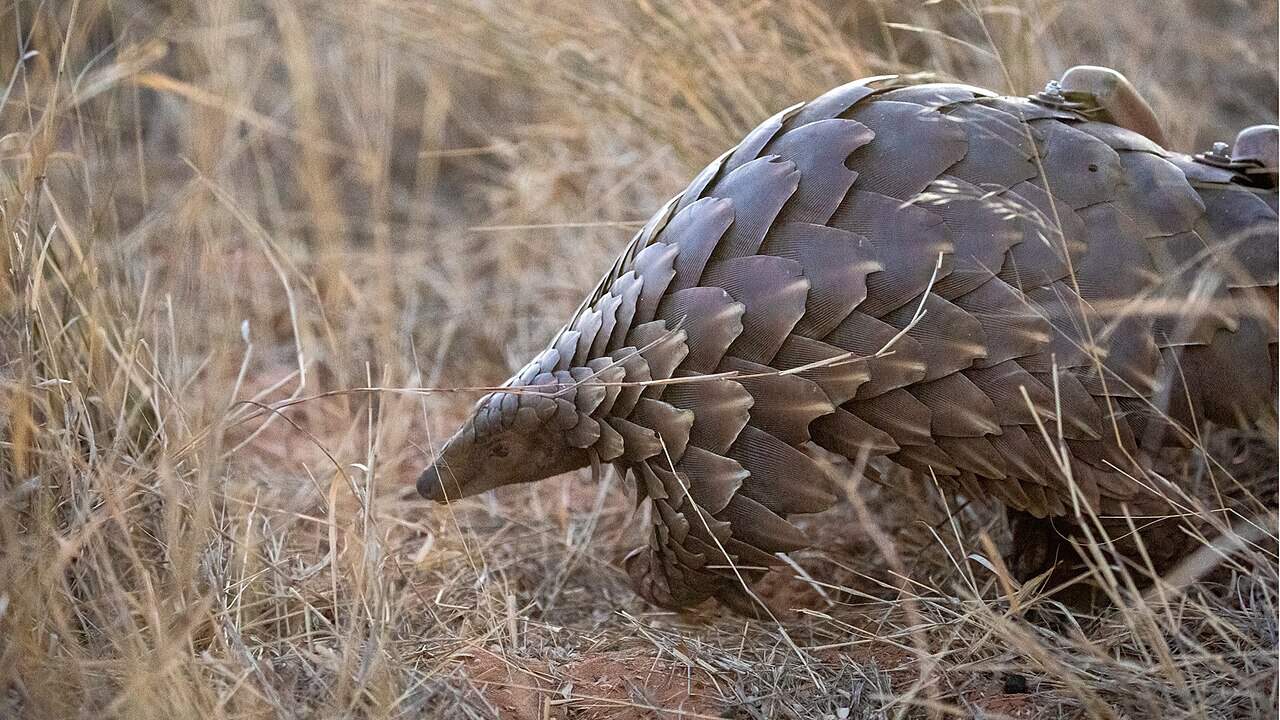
[(225, 222)]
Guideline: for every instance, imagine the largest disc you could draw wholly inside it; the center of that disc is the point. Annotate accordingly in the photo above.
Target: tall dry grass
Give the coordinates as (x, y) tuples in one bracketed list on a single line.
[(225, 222)]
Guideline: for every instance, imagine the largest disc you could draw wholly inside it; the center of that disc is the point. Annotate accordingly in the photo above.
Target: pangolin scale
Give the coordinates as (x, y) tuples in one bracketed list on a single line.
[(1042, 280)]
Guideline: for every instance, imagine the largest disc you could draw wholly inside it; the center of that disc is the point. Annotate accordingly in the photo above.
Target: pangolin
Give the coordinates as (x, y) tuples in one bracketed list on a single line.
[(1000, 291)]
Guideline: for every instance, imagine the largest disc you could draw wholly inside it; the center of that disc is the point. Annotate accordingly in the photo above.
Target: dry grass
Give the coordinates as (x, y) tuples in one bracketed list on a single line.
[(212, 207)]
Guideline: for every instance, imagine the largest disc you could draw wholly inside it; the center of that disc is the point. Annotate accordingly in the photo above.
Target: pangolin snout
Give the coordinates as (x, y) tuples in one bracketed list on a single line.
[(431, 483), (449, 476), (468, 465)]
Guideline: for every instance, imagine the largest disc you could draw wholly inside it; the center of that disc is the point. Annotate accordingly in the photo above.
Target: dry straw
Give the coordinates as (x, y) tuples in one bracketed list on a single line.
[(242, 236)]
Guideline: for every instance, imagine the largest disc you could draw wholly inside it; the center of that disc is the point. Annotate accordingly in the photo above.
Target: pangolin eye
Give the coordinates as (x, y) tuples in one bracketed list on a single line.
[(499, 450)]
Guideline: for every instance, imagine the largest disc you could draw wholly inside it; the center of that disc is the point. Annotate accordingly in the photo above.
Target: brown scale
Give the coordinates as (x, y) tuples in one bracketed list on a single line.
[(1072, 274)]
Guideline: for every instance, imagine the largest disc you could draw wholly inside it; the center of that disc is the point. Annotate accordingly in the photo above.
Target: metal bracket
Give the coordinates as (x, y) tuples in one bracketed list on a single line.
[(1051, 97)]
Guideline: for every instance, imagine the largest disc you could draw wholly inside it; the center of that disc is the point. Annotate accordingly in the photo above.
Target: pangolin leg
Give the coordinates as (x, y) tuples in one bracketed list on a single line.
[(1037, 545), (1058, 546)]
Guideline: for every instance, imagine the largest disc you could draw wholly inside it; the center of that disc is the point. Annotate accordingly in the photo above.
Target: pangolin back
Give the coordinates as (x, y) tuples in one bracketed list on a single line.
[(1038, 277)]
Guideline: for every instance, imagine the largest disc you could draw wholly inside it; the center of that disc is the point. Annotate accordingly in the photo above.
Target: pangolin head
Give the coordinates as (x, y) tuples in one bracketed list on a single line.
[(505, 441), (546, 420)]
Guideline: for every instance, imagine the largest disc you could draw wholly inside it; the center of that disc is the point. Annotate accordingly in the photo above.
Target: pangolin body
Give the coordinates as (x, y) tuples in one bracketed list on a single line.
[(1040, 279)]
